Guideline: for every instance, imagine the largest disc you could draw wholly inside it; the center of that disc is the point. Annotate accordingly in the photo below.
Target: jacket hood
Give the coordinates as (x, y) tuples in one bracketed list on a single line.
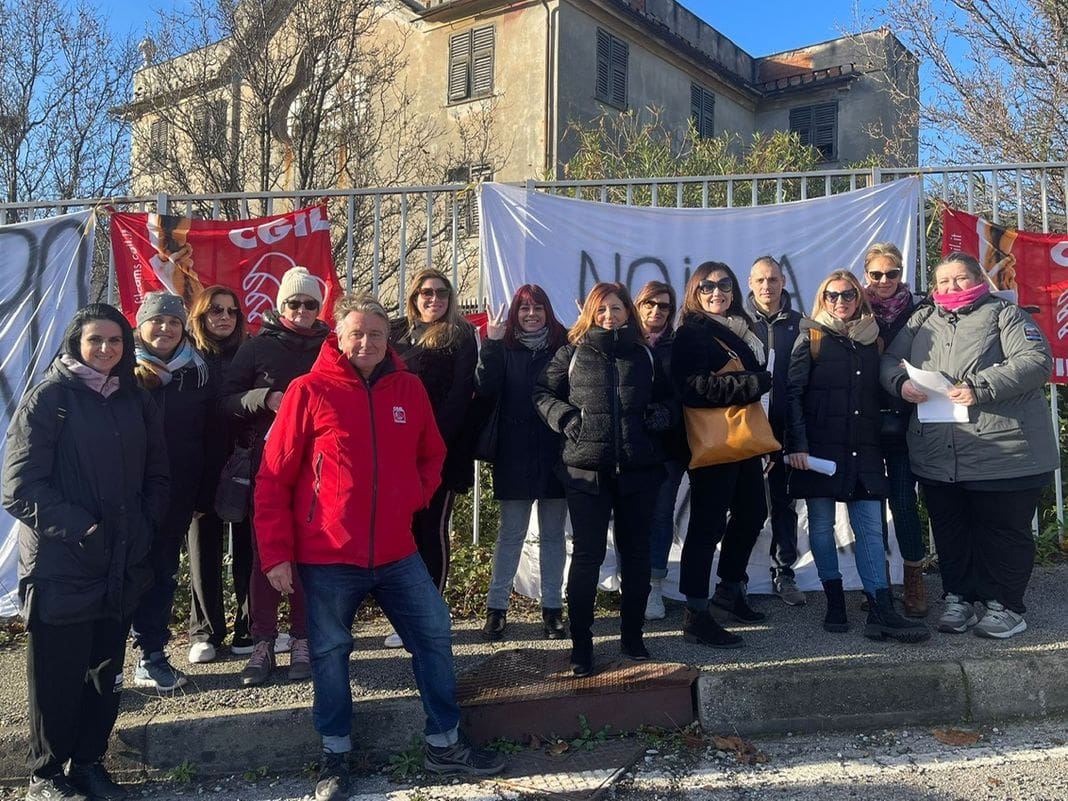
[(332, 362), (785, 307)]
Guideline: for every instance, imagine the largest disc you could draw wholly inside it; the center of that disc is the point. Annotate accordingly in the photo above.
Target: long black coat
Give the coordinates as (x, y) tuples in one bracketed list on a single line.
[(527, 449), (611, 390), (699, 353), (75, 459), (833, 413)]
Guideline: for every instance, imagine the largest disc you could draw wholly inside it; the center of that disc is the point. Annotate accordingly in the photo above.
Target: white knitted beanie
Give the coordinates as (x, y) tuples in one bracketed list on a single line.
[(298, 281)]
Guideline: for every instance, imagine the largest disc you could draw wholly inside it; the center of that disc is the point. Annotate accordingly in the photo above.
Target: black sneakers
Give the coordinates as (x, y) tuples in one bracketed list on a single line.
[(95, 782), (54, 788), (334, 782), (462, 757)]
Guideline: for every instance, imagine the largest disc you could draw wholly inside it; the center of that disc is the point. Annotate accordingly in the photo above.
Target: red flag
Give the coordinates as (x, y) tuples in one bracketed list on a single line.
[(1035, 266), (181, 255)]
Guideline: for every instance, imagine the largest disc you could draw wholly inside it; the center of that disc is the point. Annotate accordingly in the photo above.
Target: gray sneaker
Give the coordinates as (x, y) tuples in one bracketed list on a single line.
[(999, 623), (155, 670), (786, 589), (958, 617)]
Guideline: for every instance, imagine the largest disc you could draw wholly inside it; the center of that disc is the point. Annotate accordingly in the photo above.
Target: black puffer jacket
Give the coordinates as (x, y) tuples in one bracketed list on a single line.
[(264, 364), (611, 404), (674, 439), (833, 413), (784, 326), (75, 459), (448, 374), (702, 348), (527, 449)]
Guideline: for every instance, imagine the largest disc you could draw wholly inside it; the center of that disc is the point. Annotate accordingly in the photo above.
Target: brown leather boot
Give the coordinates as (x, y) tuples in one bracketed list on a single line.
[(915, 593)]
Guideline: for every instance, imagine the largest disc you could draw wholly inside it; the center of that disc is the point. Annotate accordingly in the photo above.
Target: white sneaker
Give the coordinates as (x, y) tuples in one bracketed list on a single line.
[(958, 617), (999, 623), (201, 652), (654, 606), (282, 643), (393, 641)]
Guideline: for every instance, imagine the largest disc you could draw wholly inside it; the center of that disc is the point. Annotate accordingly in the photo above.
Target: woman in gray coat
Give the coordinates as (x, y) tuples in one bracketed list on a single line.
[(981, 479)]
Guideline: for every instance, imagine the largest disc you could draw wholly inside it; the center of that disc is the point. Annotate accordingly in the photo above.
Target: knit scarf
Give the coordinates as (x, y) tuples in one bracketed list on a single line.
[(953, 301), (164, 371), (887, 309), (863, 330), (533, 340), (95, 380), (740, 328)]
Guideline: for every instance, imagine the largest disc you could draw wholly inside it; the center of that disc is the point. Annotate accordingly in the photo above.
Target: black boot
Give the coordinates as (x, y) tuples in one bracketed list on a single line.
[(553, 623), (582, 657), (835, 619), (730, 595), (701, 628), (496, 620), (884, 621)]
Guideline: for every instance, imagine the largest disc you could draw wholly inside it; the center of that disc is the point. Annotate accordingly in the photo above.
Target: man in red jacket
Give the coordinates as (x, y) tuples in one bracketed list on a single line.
[(353, 453)]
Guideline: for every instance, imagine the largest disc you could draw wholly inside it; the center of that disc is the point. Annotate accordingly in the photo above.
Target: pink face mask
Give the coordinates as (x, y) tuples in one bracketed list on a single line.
[(952, 301)]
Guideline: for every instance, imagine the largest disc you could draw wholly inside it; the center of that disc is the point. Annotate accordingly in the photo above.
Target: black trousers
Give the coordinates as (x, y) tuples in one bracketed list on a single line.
[(430, 527), (986, 551), (75, 684), (737, 488), (206, 544), (632, 514), (783, 522)]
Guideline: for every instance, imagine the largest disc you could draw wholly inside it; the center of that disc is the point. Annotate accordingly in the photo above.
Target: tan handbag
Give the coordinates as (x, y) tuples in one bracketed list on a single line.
[(729, 433)]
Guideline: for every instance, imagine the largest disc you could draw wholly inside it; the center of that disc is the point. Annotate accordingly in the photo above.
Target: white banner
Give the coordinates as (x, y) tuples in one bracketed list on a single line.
[(45, 268), (566, 246)]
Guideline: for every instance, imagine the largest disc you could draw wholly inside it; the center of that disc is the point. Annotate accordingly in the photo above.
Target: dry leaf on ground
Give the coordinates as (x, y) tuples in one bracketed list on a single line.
[(955, 736)]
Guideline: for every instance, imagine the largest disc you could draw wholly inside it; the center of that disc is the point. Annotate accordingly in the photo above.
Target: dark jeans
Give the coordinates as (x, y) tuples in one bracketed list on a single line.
[(783, 522), (416, 610), (631, 513), (206, 544), (902, 502), (985, 548), (737, 488), (662, 527), (152, 618), (75, 683), (430, 527)]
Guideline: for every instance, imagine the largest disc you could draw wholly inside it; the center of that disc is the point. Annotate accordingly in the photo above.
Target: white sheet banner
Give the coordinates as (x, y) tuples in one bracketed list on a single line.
[(566, 246), (45, 268)]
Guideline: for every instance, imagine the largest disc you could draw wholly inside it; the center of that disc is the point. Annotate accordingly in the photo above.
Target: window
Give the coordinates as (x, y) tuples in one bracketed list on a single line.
[(159, 141), (702, 106), (611, 69), (471, 64), (466, 203), (817, 126), (209, 128)]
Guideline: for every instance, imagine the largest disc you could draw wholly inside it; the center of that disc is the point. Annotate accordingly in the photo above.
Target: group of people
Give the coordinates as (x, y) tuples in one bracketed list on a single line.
[(360, 435)]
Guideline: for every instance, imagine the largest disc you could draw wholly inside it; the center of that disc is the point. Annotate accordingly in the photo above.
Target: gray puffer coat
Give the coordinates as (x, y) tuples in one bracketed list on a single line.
[(998, 349)]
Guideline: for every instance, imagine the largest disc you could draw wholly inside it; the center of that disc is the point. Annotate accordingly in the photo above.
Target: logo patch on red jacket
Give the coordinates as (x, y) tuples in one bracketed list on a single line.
[(398, 415)]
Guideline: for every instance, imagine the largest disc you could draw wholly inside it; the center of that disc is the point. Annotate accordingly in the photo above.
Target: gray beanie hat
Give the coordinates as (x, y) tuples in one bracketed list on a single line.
[(157, 303), (298, 281)]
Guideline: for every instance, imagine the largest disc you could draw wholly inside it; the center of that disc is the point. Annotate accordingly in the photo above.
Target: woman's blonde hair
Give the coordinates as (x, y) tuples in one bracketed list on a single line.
[(198, 313), (863, 307), (447, 331), (596, 298), (886, 249)]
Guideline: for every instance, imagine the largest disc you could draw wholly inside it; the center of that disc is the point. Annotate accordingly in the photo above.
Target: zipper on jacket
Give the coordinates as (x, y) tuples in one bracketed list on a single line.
[(614, 383), (374, 477), (318, 485)]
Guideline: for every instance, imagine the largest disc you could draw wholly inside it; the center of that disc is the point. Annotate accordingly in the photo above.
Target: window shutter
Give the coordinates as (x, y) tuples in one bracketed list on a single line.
[(825, 130), (708, 114), (801, 123), (482, 62), (159, 135), (702, 110), (695, 105), (459, 66), (619, 72), (604, 66)]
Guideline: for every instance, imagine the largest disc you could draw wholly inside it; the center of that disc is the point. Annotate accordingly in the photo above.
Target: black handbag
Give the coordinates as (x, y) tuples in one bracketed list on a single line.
[(486, 442), (234, 494)]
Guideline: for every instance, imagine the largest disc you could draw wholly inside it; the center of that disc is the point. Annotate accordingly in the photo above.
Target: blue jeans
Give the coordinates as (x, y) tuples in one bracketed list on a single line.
[(515, 520), (662, 529), (866, 520), (417, 611)]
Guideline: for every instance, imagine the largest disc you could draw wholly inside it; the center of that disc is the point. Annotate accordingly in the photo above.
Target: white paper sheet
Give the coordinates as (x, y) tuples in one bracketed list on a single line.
[(826, 466), (938, 408), (765, 399)]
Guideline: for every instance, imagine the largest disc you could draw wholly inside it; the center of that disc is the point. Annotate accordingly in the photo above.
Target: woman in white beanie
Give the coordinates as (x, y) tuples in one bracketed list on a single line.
[(286, 347)]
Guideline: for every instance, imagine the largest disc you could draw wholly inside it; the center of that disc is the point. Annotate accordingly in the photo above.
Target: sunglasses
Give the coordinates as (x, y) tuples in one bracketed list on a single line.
[(664, 307), (889, 275), (848, 295), (229, 311), (310, 305), (707, 287), (441, 294)]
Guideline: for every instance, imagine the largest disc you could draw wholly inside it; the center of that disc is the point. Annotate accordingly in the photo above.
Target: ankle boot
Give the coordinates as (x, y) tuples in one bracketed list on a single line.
[(654, 606), (701, 628), (864, 607), (915, 593), (496, 620), (581, 657), (835, 619), (553, 623), (731, 596), (884, 621)]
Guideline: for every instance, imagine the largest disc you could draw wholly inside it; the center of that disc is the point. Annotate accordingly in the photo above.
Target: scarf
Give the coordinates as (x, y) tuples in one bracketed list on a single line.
[(740, 328), (164, 371), (651, 339), (888, 309), (289, 325), (95, 380), (863, 330), (533, 340), (954, 301)]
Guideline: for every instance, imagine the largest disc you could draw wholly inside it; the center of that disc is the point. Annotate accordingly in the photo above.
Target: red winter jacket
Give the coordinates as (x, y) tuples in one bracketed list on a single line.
[(346, 465)]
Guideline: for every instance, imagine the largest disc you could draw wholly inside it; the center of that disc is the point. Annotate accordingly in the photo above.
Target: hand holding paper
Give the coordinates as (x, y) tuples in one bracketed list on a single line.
[(938, 408)]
